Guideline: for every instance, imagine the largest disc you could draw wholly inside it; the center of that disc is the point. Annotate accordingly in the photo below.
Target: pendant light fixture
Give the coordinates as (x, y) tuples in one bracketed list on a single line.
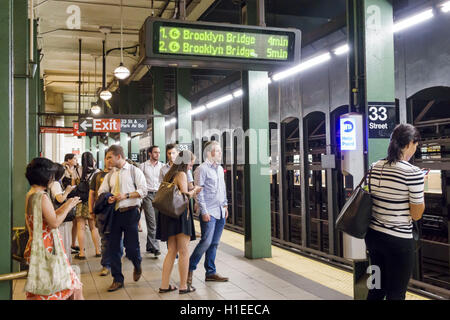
[(121, 71), (95, 108)]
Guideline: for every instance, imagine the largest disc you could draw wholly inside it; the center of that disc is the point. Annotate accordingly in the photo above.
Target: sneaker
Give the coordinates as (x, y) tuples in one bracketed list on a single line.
[(105, 271)]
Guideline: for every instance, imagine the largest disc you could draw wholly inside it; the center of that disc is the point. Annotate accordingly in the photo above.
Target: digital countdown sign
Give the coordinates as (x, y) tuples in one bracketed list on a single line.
[(215, 45)]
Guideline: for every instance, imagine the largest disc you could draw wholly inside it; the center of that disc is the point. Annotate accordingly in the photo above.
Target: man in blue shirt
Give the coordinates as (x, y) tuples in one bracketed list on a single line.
[(212, 201)]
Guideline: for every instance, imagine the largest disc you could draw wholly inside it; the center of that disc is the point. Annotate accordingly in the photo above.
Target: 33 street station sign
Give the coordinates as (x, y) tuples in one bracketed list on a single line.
[(112, 125)]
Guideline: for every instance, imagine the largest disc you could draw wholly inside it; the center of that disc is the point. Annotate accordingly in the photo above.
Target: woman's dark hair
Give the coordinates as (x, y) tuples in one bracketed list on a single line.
[(41, 172), (87, 163), (69, 156), (180, 165), (402, 135), (59, 171)]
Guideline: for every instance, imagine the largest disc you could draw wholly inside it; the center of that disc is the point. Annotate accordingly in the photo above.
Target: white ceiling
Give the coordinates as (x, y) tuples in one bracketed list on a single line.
[(59, 44)]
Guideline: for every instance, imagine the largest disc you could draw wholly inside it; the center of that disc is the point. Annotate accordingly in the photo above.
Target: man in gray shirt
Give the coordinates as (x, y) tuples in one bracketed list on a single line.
[(213, 204)]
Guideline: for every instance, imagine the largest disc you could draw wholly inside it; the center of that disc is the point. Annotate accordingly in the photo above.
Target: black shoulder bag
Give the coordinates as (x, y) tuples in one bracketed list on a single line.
[(355, 216)]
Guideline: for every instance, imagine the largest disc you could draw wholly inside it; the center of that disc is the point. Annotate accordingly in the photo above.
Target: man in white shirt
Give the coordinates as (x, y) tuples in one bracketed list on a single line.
[(128, 186), (151, 169)]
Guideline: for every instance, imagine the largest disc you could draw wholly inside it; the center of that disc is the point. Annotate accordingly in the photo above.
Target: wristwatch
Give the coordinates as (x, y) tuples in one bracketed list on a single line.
[(128, 196)]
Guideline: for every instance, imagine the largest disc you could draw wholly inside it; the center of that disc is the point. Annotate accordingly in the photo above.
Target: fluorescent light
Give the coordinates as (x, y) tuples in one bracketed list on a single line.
[(218, 101), (341, 50), (413, 20), (171, 121), (445, 7), (302, 66), (198, 110), (238, 93)]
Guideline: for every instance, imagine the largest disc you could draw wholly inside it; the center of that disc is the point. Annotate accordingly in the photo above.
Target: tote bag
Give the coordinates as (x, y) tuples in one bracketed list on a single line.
[(48, 272), (169, 200), (355, 216)]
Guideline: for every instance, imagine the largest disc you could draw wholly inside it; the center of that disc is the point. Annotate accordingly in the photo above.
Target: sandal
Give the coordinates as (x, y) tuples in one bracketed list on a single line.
[(189, 289), (98, 255), (170, 289), (77, 256)]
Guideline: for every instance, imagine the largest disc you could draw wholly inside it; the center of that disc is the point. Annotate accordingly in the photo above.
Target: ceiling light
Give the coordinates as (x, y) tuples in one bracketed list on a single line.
[(341, 50), (95, 109), (238, 93), (415, 19), (221, 100), (198, 110), (117, 143), (121, 72), (302, 66), (445, 7), (105, 95)]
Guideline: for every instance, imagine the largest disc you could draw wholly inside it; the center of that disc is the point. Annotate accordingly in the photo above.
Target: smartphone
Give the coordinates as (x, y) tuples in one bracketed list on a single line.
[(425, 171)]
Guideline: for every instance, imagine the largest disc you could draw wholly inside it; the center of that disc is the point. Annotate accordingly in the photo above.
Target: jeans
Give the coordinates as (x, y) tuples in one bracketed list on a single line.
[(395, 258), (211, 233), (126, 223), (150, 219)]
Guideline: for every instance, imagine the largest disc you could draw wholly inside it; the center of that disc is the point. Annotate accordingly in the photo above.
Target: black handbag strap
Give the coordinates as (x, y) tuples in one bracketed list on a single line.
[(368, 177)]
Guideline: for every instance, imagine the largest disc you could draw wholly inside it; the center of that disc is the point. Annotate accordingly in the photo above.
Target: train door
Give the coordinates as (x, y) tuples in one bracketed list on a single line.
[(274, 181), (429, 111), (316, 191), (341, 191), (290, 169)]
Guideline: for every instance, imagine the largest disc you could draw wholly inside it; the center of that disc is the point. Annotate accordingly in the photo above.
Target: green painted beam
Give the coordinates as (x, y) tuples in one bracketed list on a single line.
[(258, 240), (34, 102), (380, 70), (184, 106), (21, 103), (158, 123), (6, 126)]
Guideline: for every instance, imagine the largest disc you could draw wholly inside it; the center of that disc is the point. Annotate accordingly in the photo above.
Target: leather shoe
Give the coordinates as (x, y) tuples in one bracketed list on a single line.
[(216, 277), (189, 277), (115, 286), (137, 273)]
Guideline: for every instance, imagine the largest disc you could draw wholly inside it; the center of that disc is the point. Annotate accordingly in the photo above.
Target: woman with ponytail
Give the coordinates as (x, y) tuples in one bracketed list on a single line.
[(397, 193)]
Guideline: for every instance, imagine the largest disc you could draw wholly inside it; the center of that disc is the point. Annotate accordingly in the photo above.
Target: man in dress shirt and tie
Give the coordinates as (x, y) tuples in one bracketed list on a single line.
[(151, 169), (212, 201), (128, 186)]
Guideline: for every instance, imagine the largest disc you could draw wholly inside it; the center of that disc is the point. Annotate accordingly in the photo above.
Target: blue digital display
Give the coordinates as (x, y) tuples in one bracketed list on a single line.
[(348, 134)]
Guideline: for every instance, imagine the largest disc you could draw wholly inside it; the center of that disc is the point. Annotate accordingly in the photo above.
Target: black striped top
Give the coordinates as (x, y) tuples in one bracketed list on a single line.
[(393, 188)]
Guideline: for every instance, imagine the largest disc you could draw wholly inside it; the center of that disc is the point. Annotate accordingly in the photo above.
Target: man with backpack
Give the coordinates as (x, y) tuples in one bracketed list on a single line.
[(127, 185)]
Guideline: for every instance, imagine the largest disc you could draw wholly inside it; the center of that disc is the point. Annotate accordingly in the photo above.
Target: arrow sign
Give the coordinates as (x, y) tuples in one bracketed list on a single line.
[(76, 130), (85, 124)]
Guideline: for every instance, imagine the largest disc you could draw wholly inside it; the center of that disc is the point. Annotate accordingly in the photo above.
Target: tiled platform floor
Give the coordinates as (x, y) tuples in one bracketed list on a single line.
[(284, 276)]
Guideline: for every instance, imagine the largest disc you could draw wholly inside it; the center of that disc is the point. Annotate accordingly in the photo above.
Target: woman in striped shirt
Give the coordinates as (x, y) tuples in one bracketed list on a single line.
[(397, 193)]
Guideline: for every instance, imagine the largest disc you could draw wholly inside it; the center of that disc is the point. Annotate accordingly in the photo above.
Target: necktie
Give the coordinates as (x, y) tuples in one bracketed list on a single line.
[(116, 190)]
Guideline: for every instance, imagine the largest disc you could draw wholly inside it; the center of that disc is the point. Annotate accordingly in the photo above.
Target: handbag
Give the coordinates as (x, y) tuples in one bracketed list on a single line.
[(355, 216), (169, 200), (48, 272)]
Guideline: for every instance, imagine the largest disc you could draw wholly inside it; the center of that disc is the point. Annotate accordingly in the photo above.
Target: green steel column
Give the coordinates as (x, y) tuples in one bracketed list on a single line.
[(258, 237), (158, 123), (101, 153), (183, 106), (87, 143), (21, 121), (6, 130), (258, 241), (135, 145), (34, 102), (380, 70)]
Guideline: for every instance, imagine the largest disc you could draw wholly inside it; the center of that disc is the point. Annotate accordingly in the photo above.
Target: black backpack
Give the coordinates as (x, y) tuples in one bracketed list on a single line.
[(82, 190)]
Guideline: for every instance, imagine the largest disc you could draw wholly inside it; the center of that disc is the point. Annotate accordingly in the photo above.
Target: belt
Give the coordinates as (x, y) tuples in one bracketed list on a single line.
[(153, 191), (128, 208)]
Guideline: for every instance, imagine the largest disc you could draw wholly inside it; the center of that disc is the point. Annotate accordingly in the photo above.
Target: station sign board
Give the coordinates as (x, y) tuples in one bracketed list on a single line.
[(217, 45), (381, 119), (112, 125), (58, 130)]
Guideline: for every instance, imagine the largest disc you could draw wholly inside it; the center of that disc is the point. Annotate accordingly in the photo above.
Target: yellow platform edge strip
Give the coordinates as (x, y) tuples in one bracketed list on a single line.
[(326, 275)]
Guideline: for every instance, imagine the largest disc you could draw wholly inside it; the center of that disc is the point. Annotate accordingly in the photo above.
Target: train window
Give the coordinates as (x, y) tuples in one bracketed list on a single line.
[(433, 182)]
